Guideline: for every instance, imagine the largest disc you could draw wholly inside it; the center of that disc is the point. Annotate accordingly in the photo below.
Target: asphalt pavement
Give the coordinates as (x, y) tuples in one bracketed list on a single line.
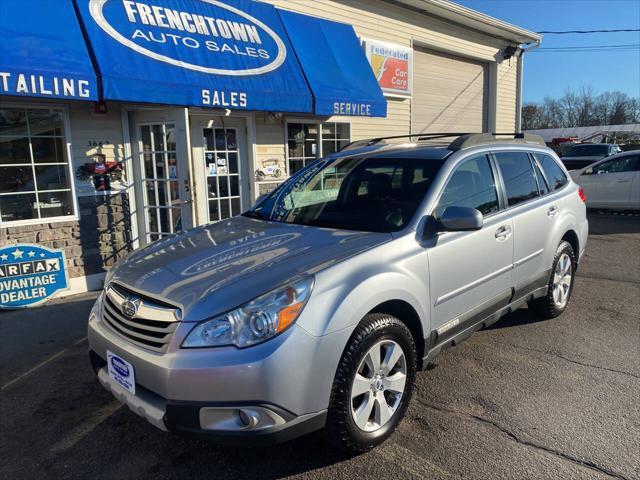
[(524, 399)]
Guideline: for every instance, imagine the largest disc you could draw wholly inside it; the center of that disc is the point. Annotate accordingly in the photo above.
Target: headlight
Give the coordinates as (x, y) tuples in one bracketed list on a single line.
[(256, 321)]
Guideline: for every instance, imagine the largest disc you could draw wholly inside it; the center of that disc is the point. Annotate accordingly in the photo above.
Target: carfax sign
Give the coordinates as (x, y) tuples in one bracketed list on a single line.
[(392, 65), (30, 274)]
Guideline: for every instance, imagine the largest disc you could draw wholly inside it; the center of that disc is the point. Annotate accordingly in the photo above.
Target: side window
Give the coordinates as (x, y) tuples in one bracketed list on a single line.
[(618, 165), (552, 171), (471, 185), (519, 180), (542, 183)]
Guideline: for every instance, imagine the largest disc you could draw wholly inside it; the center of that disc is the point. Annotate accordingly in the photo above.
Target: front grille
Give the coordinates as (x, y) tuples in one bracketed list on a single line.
[(151, 326)]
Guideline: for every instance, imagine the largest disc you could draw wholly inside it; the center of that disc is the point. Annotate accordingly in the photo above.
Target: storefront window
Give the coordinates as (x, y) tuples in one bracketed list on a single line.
[(309, 141), (35, 181), (302, 139), (334, 137)]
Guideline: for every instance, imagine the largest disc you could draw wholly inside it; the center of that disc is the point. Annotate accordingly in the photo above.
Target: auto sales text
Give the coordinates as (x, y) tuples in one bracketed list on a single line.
[(141, 13)]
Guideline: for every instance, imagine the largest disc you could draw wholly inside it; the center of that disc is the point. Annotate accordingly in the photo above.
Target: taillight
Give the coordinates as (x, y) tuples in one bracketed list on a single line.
[(581, 194)]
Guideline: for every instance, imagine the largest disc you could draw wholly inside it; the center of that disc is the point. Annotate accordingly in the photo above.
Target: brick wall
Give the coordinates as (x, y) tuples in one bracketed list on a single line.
[(100, 238)]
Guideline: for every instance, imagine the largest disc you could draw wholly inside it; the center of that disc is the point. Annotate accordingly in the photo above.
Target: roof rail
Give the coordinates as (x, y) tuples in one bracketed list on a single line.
[(463, 140), (368, 142), (473, 139)]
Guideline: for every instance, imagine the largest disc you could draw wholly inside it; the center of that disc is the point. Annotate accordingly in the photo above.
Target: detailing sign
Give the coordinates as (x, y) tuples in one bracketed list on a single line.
[(30, 274), (392, 65)]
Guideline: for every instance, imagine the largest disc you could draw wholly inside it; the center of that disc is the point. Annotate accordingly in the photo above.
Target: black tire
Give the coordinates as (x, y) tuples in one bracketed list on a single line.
[(546, 307), (341, 429)]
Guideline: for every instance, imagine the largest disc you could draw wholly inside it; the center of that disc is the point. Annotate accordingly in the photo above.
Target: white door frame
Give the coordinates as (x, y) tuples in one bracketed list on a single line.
[(166, 114), (250, 123), (246, 178)]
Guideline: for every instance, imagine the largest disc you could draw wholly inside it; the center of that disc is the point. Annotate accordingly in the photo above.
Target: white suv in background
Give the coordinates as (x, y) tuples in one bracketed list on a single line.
[(612, 183)]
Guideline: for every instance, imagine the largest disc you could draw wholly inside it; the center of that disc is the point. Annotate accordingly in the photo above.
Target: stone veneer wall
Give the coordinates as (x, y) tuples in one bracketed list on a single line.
[(100, 238)]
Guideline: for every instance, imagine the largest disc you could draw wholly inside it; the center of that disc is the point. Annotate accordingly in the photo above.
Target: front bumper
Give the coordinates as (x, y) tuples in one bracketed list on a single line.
[(202, 391), (185, 417)]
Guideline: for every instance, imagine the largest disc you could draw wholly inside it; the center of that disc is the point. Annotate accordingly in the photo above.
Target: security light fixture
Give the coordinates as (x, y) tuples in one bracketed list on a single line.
[(510, 51)]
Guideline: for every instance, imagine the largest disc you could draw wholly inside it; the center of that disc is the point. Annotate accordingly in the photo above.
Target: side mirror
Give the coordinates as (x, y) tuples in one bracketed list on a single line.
[(588, 171), (456, 219)]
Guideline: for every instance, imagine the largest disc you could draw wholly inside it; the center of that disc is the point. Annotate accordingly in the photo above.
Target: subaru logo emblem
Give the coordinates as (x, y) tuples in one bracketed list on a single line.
[(130, 307)]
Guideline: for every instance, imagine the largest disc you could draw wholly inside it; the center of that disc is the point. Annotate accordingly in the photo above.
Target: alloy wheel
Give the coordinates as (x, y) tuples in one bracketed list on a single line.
[(562, 278), (378, 386)]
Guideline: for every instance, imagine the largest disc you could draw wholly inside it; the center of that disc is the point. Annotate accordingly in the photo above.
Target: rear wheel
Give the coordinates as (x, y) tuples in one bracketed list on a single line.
[(373, 384), (560, 284)]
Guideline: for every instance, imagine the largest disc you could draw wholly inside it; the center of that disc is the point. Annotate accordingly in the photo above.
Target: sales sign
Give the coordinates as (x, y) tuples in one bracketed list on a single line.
[(392, 65), (30, 274)]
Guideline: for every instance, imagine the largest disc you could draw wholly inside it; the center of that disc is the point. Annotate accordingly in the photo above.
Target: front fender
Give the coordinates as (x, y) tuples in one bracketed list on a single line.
[(343, 306)]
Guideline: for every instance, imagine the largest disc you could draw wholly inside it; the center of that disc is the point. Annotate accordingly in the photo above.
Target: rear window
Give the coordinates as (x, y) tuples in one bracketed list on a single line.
[(517, 174), (555, 176), (587, 150)]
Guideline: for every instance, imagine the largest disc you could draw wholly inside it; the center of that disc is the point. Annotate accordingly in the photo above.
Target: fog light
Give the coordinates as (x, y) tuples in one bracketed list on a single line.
[(238, 418), (249, 418)]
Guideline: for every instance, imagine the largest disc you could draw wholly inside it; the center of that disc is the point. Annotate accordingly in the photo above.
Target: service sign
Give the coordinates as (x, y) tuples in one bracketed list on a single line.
[(392, 65), (30, 274)]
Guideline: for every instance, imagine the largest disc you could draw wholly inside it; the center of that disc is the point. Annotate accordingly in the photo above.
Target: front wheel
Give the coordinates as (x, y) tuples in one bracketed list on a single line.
[(560, 284), (373, 384)]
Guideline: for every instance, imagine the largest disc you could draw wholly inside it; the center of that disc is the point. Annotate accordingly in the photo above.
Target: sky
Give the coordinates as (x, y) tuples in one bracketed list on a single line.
[(549, 73)]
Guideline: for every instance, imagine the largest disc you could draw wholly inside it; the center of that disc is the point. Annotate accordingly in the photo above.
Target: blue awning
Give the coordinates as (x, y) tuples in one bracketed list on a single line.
[(42, 51), (336, 68), (233, 54)]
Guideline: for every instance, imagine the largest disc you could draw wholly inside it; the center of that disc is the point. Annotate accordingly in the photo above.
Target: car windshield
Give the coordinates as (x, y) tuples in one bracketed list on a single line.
[(352, 193), (587, 150)]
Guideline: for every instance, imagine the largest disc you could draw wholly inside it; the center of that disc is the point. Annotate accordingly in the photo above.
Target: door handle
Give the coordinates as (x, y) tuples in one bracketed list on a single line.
[(552, 211), (503, 233)]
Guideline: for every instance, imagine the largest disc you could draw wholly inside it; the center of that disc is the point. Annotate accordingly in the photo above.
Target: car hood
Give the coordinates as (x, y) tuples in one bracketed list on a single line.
[(215, 268)]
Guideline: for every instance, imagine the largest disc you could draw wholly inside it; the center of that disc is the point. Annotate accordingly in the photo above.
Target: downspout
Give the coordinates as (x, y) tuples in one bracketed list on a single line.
[(519, 84)]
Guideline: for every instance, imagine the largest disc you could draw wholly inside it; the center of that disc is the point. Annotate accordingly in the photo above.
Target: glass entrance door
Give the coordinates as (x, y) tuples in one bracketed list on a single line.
[(163, 207), (220, 166)]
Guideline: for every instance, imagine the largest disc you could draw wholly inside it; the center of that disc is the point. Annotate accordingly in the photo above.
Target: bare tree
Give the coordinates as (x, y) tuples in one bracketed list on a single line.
[(581, 108)]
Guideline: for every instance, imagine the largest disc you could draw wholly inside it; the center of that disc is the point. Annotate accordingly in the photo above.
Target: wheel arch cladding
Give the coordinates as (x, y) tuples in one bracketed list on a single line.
[(572, 237), (405, 312)]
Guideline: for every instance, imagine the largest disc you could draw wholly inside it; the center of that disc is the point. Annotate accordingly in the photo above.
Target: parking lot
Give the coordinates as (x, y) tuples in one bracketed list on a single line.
[(523, 399)]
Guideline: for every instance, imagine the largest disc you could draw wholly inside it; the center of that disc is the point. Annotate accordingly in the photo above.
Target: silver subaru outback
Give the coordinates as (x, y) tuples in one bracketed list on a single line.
[(315, 309)]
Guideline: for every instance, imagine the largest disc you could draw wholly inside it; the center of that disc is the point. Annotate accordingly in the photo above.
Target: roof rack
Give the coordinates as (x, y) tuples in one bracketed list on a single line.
[(473, 139), (463, 140), (368, 142)]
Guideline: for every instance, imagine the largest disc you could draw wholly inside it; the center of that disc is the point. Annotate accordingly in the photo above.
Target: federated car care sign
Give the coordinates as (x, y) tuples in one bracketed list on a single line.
[(30, 274), (392, 65)]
